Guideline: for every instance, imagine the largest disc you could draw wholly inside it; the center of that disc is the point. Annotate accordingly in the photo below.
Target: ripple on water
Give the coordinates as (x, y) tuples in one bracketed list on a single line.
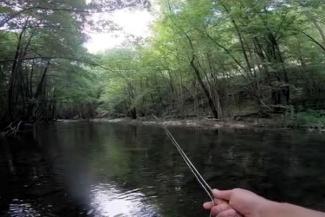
[(108, 201), (19, 208)]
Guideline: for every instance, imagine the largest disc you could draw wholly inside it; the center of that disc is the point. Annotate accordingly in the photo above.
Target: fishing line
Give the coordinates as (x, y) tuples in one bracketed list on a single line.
[(188, 162)]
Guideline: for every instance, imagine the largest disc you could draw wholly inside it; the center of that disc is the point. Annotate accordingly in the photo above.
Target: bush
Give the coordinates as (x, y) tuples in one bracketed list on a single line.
[(310, 118)]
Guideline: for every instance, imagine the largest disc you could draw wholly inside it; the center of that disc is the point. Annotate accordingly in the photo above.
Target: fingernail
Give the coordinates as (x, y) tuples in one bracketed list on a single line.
[(215, 191), (206, 205)]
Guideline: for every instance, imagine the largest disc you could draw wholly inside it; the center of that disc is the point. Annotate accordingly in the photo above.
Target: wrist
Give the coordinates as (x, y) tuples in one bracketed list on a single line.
[(282, 209), (270, 209)]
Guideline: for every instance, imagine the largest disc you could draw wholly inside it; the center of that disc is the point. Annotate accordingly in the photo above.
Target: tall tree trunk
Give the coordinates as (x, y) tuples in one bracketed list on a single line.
[(13, 75), (40, 85), (284, 90), (240, 38), (205, 89)]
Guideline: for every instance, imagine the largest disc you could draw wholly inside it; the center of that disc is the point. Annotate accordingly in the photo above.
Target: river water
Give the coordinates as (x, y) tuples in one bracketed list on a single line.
[(116, 169)]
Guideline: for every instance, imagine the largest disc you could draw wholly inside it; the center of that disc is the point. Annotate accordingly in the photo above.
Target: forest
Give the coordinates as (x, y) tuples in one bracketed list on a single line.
[(222, 59), (221, 94)]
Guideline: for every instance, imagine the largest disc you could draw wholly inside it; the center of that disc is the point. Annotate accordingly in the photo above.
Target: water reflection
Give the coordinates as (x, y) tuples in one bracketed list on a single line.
[(107, 200), (123, 170), (19, 208)]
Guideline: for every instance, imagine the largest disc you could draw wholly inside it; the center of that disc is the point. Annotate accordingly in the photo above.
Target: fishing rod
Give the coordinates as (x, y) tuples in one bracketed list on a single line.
[(206, 187)]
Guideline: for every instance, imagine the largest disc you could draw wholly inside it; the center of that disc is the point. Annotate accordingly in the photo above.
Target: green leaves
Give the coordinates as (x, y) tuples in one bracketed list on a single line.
[(241, 46), (245, 52)]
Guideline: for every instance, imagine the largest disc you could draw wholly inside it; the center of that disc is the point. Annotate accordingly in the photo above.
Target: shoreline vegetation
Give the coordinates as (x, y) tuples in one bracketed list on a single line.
[(260, 62), (310, 122)]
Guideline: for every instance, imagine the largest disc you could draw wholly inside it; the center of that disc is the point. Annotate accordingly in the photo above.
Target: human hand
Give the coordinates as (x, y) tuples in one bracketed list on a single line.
[(236, 202), (221, 208)]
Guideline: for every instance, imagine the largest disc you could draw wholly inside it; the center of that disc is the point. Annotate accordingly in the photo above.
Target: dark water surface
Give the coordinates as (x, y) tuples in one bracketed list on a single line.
[(124, 170)]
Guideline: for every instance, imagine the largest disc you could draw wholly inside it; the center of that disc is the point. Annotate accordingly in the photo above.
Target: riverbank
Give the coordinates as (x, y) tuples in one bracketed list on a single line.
[(194, 123), (210, 123), (28, 186)]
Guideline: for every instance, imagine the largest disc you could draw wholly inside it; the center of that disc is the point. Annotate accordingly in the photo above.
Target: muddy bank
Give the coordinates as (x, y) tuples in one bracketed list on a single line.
[(206, 123), (196, 123), (210, 123), (28, 187)]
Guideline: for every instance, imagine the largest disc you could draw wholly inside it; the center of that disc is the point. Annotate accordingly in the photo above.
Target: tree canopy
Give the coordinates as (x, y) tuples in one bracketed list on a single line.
[(205, 58)]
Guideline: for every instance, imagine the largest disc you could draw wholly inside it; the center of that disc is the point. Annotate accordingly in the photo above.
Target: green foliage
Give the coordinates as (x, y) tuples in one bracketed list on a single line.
[(41, 46), (245, 51), (310, 119), (205, 58)]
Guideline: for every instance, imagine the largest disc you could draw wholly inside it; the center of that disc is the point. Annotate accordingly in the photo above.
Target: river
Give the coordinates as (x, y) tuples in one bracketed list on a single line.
[(117, 170)]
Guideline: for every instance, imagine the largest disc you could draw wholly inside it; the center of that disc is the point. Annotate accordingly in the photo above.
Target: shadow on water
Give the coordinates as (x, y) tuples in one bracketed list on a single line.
[(125, 170), (27, 185)]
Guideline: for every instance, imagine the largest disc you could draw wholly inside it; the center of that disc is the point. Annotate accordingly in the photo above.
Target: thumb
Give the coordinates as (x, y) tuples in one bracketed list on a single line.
[(225, 195)]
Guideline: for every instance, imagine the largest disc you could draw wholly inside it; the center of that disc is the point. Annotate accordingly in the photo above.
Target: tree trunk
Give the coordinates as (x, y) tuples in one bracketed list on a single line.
[(40, 85), (205, 89), (13, 75)]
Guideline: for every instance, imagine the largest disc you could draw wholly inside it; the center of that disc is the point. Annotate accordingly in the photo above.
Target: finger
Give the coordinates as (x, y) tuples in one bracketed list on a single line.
[(210, 204), (228, 213), (219, 208), (225, 195), (219, 201)]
